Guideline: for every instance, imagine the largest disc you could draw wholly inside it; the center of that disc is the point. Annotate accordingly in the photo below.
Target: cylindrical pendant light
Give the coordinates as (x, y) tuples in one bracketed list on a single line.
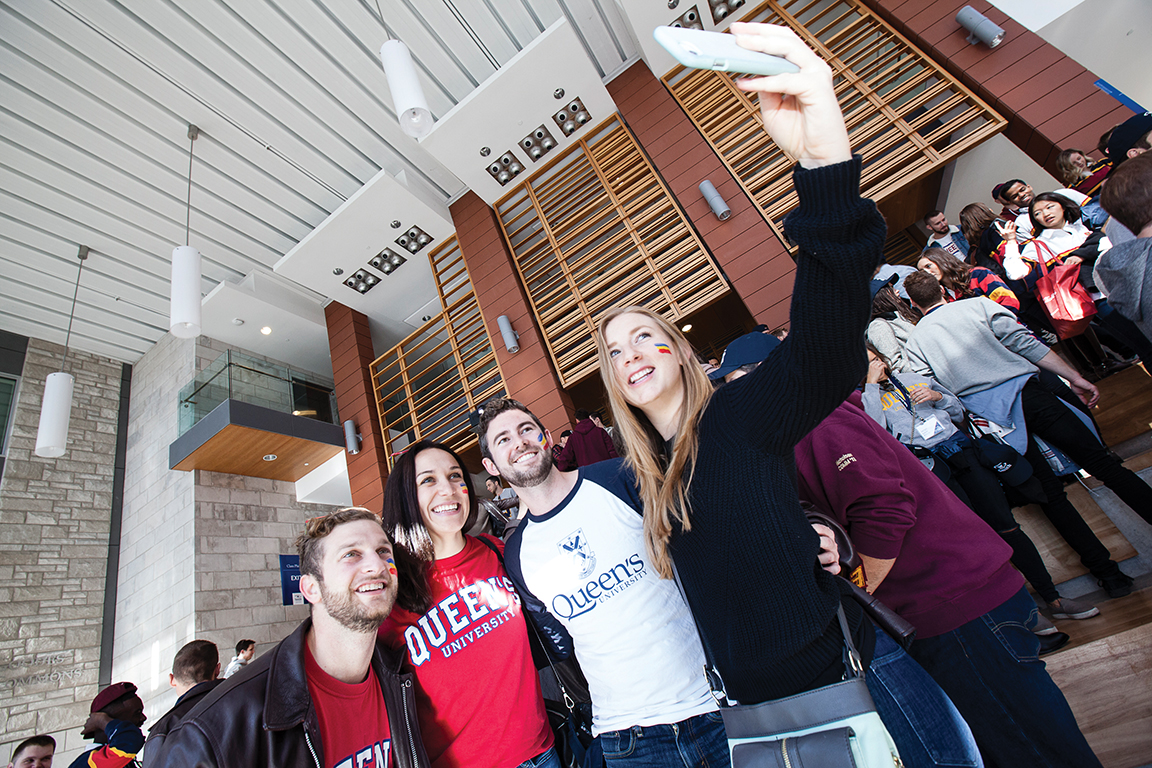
[(407, 95), (184, 312), (55, 413), (56, 405)]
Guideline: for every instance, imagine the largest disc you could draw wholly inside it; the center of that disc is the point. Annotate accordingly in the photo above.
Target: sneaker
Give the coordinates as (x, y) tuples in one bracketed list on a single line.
[(1043, 627), (1118, 585), (1050, 643), (1067, 608)]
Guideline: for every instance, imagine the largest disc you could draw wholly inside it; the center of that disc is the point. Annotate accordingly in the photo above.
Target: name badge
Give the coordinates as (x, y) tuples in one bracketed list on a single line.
[(930, 427)]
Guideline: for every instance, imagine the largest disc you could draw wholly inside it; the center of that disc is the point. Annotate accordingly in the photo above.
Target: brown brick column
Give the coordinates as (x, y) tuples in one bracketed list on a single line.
[(744, 246), (528, 374), (1050, 100), (351, 345)]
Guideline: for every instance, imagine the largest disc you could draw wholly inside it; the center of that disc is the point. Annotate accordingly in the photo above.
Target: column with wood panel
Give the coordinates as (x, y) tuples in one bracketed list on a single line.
[(745, 247), (528, 374), (350, 343)]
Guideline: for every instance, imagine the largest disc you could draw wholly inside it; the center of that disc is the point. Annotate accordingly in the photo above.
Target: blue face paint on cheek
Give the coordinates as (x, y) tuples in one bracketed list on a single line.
[(391, 566)]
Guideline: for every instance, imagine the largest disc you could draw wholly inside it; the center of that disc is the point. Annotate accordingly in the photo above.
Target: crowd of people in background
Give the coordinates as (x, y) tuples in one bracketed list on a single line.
[(913, 406)]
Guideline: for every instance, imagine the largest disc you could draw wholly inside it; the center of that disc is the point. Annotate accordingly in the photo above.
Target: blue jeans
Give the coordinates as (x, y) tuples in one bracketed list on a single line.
[(927, 728), (546, 759), (991, 669), (698, 742)]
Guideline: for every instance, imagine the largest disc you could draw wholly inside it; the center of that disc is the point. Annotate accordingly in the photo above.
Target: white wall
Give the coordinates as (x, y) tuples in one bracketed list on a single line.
[(1112, 38), (976, 172)]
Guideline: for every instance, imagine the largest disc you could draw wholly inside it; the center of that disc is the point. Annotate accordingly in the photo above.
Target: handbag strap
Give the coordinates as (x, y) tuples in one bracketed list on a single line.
[(852, 659), (569, 702)]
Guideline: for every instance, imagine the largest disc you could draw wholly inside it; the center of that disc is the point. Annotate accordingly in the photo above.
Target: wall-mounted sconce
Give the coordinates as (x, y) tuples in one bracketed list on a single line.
[(511, 338), (715, 202), (981, 29), (351, 437)]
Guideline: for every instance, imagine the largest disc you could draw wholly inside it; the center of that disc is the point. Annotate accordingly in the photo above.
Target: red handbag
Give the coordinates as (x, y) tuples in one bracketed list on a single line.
[(1065, 300)]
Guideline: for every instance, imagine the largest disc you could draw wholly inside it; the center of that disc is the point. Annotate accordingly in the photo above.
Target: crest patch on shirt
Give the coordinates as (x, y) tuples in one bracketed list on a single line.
[(576, 544)]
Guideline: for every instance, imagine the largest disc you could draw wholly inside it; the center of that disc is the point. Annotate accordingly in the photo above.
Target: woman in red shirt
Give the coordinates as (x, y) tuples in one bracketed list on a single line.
[(460, 622)]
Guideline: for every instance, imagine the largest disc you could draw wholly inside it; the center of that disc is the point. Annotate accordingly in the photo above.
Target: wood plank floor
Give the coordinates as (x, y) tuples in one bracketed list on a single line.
[(1106, 675)]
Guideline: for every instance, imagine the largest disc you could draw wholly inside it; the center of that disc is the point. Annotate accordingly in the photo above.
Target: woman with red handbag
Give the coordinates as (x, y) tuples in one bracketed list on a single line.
[(1057, 265)]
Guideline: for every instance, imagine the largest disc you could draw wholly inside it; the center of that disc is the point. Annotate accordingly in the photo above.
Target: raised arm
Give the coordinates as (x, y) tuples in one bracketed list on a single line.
[(840, 237)]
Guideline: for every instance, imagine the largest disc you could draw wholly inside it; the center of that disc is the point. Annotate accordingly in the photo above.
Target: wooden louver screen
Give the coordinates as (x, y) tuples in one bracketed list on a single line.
[(426, 385), (906, 116), (597, 228)]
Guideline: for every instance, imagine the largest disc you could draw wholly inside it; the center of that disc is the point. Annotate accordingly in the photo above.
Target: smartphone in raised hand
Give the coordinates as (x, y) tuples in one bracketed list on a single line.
[(718, 51)]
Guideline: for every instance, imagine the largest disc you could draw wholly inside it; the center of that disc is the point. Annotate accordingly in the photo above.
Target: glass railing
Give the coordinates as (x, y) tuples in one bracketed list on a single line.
[(237, 376)]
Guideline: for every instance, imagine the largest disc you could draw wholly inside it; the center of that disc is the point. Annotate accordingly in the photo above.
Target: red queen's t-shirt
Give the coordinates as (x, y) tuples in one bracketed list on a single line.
[(353, 720), (477, 691)]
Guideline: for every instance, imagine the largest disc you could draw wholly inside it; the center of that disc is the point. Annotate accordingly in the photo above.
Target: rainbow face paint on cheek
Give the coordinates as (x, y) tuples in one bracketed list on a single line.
[(542, 440), (391, 566), (663, 349), (464, 487)]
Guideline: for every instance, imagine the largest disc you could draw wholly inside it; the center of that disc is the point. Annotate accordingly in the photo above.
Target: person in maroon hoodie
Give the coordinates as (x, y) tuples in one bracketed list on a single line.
[(932, 560), (587, 444)]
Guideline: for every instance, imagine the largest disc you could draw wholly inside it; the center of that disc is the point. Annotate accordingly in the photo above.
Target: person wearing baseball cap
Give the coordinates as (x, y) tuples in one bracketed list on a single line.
[(117, 713)]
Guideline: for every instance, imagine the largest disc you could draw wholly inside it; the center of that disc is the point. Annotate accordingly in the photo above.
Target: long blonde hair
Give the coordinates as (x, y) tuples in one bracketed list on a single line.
[(664, 491)]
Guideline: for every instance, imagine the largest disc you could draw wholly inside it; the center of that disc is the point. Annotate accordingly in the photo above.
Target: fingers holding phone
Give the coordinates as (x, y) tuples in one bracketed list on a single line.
[(800, 109)]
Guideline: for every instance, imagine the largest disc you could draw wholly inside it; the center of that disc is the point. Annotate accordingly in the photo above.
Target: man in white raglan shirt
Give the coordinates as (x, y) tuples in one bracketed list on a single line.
[(579, 563)]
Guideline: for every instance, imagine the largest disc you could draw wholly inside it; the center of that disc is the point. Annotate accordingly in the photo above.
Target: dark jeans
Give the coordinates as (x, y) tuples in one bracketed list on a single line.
[(991, 669), (1047, 416), (981, 491), (925, 725), (698, 742)]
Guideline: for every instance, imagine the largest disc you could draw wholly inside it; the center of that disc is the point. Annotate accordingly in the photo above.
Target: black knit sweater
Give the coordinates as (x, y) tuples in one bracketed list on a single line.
[(749, 563)]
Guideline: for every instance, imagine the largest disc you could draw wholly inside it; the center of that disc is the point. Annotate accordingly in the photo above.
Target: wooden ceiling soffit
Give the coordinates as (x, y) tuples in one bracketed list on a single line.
[(235, 437)]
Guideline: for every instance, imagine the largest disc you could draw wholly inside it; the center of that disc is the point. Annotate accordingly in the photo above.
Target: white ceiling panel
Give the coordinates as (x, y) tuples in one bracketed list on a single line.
[(295, 119)]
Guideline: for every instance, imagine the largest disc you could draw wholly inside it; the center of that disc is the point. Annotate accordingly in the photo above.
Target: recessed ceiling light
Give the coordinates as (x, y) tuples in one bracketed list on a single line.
[(267, 331), (337, 271), (687, 327), (270, 457), (237, 321)]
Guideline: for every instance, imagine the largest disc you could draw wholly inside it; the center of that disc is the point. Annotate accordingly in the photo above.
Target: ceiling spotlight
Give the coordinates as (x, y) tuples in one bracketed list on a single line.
[(396, 260), (414, 239), (485, 151), (537, 143), (387, 268), (407, 94), (337, 271), (572, 117), (423, 239), (686, 327), (395, 224), (270, 457), (558, 93), (363, 281), (237, 321), (266, 331), (689, 19), (502, 169)]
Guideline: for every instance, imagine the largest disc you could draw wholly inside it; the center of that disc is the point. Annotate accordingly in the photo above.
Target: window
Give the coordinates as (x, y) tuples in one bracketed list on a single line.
[(8, 387)]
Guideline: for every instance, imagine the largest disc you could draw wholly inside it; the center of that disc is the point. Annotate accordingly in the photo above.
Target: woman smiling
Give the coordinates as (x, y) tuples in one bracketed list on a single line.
[(460, 621)]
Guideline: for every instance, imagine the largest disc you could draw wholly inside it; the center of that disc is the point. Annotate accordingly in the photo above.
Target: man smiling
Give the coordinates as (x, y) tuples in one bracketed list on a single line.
[(327, 696)]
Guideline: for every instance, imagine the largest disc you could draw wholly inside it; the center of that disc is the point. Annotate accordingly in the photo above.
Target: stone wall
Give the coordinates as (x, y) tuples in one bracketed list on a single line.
[(54, 523), (199, 550)]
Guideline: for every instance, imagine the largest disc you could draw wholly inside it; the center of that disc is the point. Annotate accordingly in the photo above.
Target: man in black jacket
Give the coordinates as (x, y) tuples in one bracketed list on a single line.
[(328, 694), (195, 672)]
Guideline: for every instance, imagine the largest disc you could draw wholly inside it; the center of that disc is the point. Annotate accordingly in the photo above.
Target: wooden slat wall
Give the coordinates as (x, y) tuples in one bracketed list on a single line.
[(427, 384), (597, 228), (906, 116)]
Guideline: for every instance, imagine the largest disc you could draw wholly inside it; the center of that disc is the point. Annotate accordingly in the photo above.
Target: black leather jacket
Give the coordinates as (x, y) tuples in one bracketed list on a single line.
[(262, 717)]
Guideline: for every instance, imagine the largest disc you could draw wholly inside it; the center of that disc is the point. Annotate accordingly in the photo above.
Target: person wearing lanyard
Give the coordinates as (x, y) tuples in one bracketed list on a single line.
[(919, 412)]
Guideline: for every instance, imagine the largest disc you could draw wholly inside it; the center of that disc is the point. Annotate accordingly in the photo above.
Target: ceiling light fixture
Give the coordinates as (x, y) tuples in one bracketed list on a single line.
[(184, 312), (56, 405), (266, 331), (687, 327), (407, 94)]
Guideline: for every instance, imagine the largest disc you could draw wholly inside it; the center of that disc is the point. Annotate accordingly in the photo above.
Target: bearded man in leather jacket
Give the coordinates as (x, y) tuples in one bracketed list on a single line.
[(327, 696)]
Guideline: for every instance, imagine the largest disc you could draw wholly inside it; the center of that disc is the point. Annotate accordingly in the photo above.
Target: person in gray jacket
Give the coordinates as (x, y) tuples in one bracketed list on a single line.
[(1124, 269), (978, 350), (923, 415)]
